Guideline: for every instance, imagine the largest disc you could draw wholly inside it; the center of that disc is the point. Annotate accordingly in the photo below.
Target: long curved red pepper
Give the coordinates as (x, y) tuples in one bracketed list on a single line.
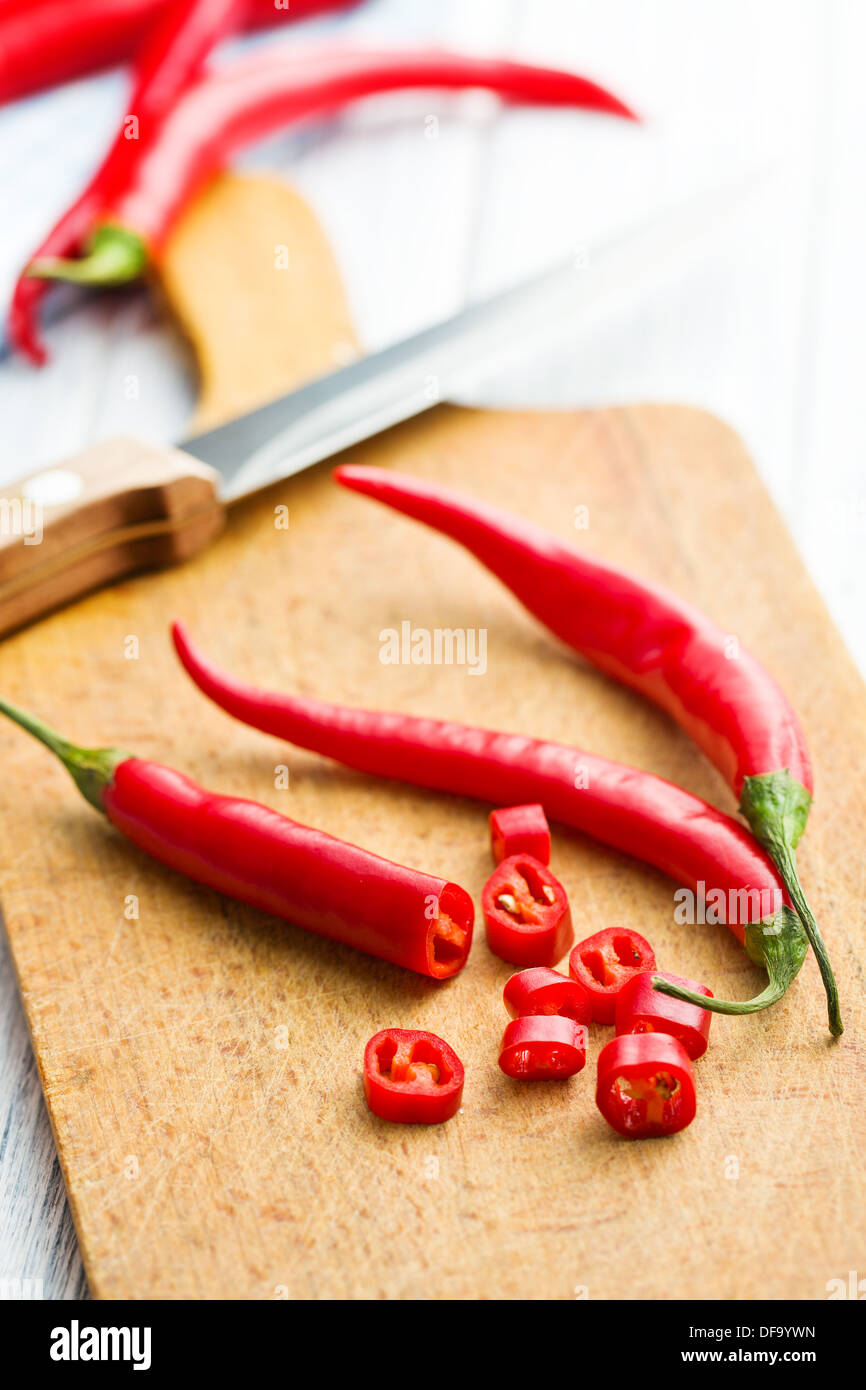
[(170, 59), (250, 99), (252, 853), (632, 811), (43, 42), (649, 639)]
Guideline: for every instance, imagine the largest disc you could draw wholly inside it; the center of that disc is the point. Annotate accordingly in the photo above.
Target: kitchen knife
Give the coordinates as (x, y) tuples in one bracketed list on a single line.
[(122, 506)]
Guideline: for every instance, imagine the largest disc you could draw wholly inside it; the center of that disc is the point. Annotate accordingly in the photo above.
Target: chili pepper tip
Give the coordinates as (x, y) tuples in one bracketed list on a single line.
[(355, 475), (24, 337)]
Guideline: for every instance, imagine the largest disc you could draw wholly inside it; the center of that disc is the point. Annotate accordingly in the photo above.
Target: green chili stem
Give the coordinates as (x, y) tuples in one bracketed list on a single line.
[(786, 863), (91, 769), (779, 946), (776, 806), (113, 256)]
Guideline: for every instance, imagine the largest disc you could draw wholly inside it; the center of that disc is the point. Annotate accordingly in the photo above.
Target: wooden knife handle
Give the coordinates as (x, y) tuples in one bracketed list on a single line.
[(119, 507)]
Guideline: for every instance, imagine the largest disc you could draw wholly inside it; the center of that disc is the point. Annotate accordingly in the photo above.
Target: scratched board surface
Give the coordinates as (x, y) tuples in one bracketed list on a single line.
[(201, 1062)]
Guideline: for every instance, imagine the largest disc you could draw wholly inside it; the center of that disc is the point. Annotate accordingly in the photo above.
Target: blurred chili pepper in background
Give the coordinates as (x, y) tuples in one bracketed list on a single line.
[(253, 97), (170, 59), (43, 42)]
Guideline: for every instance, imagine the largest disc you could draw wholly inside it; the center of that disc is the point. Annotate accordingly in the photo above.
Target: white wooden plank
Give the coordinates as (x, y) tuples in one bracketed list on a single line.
[(829, 492), (37, 1238)]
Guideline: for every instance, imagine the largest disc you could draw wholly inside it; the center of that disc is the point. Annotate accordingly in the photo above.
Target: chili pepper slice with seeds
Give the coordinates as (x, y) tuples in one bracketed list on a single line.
[(546, 1048), (603, 963), (646, 1085), (519, 830), (252, 853), (412, 1077), (526, 913), (651, 640), (642, 1009), (541, 990), (253, 97), (632, 811)]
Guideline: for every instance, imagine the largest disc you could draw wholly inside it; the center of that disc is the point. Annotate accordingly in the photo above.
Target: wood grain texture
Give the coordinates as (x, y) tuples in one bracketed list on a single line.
[(201, 1063), (251, 280)]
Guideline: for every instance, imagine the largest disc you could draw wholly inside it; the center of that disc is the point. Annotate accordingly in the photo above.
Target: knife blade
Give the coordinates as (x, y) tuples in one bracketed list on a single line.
[(123, 505), (403, 380)]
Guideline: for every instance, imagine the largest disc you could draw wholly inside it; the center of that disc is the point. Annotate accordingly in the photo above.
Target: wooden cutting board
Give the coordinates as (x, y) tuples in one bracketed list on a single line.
[(201, 1062)]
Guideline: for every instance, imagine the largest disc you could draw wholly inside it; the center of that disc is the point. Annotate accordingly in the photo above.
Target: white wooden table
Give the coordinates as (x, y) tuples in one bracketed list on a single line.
[(761, 323)]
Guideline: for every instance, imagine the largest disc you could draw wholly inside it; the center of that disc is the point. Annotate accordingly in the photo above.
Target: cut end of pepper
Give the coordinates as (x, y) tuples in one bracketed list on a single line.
[(776, 807), (113, 256), (779, 946), (450, 936)]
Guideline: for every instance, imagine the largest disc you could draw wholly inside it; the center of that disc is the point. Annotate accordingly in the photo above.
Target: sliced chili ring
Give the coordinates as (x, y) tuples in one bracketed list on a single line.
[(642, 1009), (526, 913), (545, 1048), (603, 963), (646, 1085), (449, 934), (542, 991), (412, 1077), (520, 830)]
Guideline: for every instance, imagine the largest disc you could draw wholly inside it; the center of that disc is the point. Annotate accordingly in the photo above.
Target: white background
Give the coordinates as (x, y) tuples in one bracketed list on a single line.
[(759, 105)]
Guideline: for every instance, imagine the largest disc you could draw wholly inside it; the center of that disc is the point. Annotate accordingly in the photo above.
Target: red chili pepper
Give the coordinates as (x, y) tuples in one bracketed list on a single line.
[(254, 854), (632, 811), (652, 641), (253, 97), (526, 913), (411, 1077), (171, 57), (520, 830), (603, 963), (43, 42), (646, 1085), (546, 1048), (642, 1009), (543, 991)]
